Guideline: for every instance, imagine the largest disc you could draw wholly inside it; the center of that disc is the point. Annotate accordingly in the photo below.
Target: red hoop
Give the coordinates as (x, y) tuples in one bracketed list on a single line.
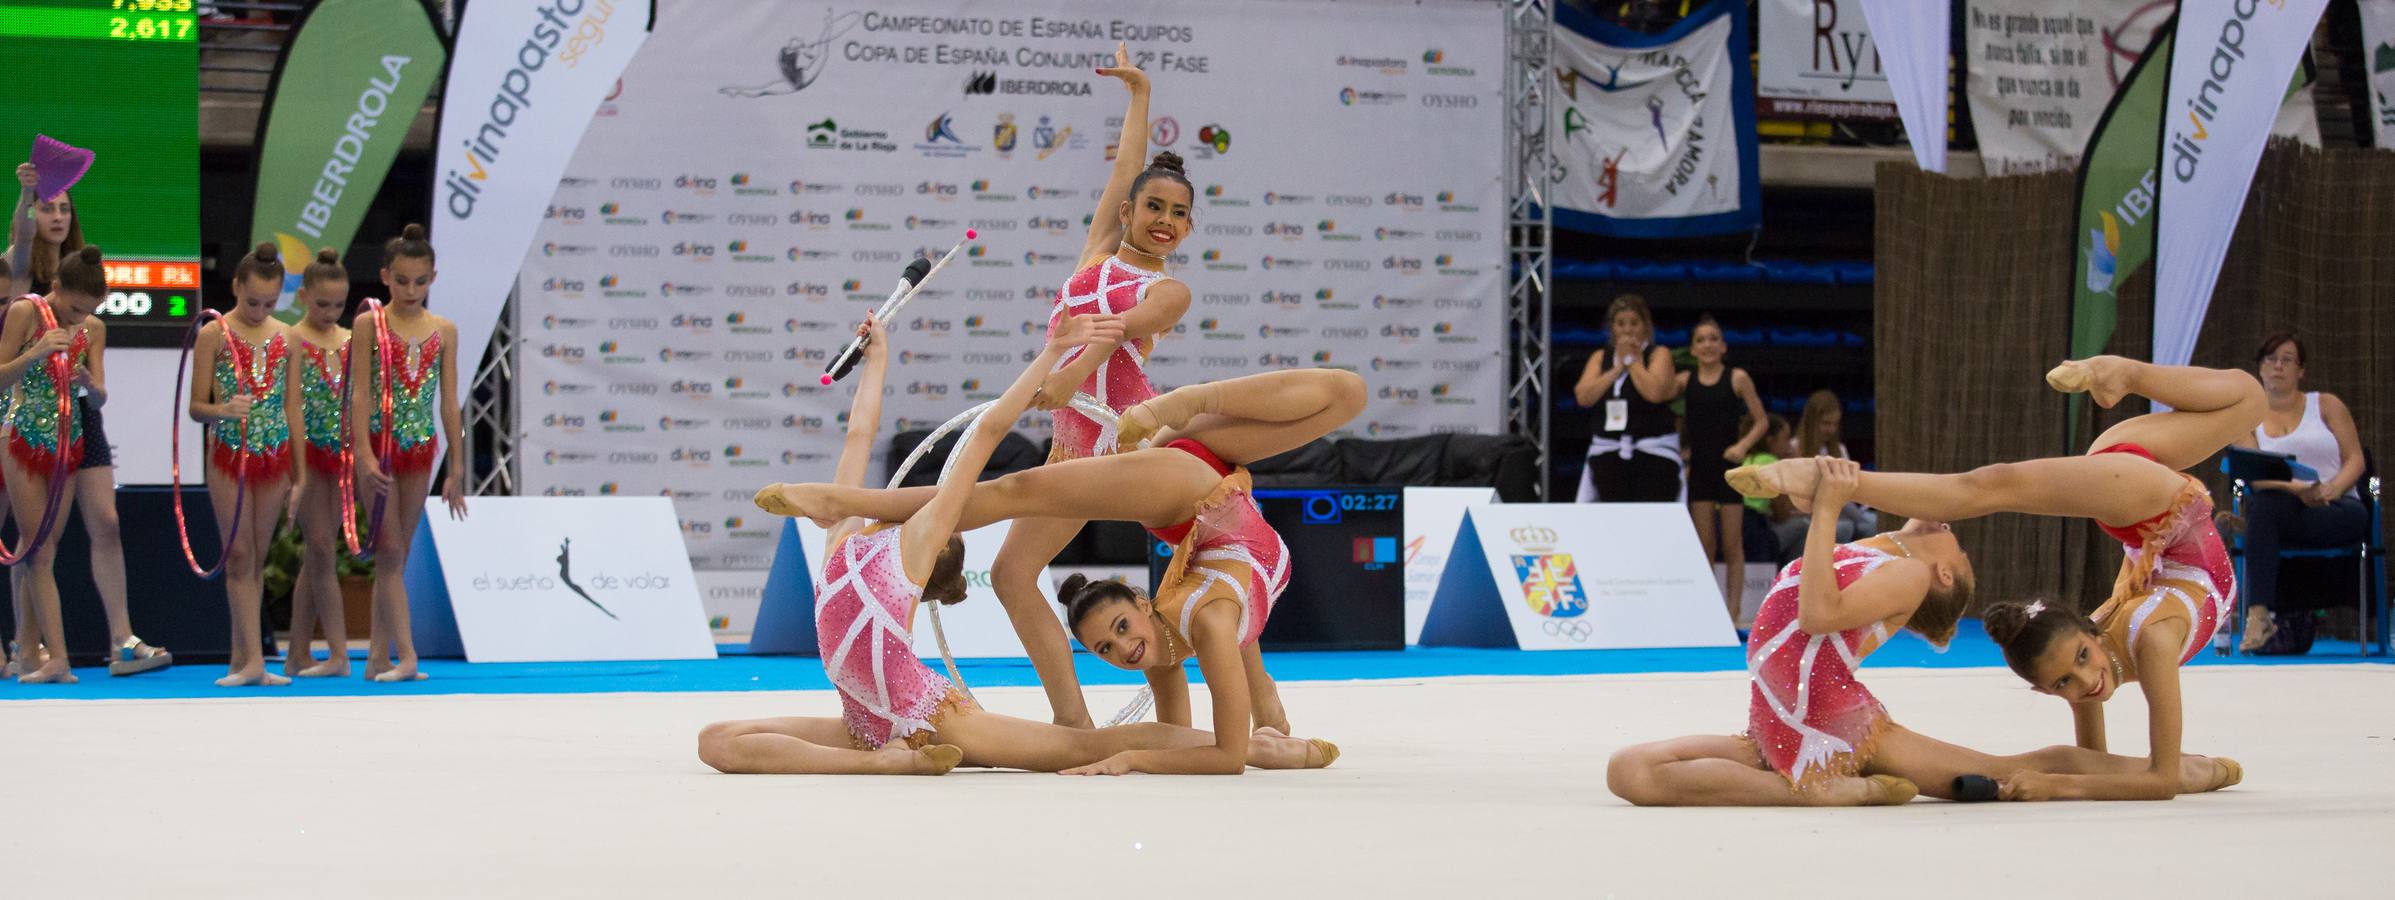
[(62, 374), (385, 446), (248, 385)]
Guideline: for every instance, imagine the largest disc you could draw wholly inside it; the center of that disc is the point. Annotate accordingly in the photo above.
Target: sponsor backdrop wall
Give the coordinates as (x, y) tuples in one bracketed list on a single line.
[(764, 170)]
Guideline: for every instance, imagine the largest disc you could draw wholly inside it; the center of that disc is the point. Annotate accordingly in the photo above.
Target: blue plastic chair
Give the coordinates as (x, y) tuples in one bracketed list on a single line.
[(2370, 555)]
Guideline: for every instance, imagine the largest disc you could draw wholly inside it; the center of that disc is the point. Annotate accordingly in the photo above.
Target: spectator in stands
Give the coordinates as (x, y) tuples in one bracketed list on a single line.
[(2316, 428), (1635, 455), (1817, 434), (1763, 516)]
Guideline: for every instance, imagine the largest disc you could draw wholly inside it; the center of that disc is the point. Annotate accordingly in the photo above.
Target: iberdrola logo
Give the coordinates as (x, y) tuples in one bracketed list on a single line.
[(737, 246), (609, 209), (1211, 255), (1322, 357), (2103, 245), (855, 214), (1323, 294), (1446, 196), (608, 281), (972, 321), (1444, 260), (851, 284), (981, 184), (739, 179)]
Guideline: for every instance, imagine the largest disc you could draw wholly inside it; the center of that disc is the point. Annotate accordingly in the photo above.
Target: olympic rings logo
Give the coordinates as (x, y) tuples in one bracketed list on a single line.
[(1573, 629)]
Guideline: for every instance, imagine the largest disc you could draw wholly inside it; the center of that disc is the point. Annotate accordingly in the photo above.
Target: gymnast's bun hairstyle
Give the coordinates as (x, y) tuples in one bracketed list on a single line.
[(2025, 630), (83, 273), (1082, 597), (1166, 165), (410, 244), (326, 267), (263, 262), (947, 584)]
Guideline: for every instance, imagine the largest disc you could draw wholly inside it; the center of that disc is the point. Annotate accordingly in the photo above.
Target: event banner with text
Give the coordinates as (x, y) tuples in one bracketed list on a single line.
[(764, 171)]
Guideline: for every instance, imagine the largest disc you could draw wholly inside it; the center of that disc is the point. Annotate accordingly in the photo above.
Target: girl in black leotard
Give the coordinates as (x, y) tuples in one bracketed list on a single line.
[(1715, 396)]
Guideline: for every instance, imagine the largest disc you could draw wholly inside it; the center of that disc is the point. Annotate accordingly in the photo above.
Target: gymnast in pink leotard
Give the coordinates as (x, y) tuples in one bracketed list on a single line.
[(1142, 215), (897, 715)]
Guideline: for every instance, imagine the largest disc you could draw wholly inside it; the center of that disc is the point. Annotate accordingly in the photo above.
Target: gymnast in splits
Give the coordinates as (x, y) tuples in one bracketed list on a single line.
[(900, 717), (2174, 589), (1192, 493)]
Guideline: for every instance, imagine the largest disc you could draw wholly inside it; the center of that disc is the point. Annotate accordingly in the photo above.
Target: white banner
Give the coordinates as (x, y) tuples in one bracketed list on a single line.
[(2230, 64), (1658, 130), (1348, 160), (1578, 576), (2042, 71), (539, 579), (2378, 60), (1914, 48), (523, 78), (1817, 58)]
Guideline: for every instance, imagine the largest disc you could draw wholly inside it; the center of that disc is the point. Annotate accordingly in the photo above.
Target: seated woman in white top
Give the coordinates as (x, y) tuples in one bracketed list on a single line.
[(2318, 431)]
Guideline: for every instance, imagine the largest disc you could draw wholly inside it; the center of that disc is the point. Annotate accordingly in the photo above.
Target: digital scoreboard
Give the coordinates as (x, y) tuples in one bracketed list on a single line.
[(119, 78), (1347, 567)]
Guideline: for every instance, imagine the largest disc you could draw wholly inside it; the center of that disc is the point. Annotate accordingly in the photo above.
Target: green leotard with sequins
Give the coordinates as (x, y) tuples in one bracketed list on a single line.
[(414, 388), (267, 440), (33, 422)]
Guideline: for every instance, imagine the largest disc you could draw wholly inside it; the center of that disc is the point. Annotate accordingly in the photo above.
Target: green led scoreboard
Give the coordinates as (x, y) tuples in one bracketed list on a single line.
[(120, 78)]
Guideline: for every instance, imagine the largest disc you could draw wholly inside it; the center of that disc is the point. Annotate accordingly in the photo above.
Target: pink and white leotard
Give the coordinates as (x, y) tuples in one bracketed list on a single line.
[(1106, 287), (861, 627), (1806, 712), (1224, 551)]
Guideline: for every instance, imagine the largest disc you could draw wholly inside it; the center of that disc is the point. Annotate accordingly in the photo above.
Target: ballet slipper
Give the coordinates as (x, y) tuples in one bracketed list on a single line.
[(941, 757), (2231, 773), (1892, 791), (1749, 481), (1329, 752), (1173, 410), (2092, 376), (2260, 627)]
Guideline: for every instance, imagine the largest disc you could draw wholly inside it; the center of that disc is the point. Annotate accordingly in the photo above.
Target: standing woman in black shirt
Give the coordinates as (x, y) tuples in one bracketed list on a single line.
[(1635, 455)]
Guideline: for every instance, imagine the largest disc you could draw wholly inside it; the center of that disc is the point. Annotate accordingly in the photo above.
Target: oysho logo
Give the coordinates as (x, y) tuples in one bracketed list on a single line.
[(635, 251), (1456, 365), (636, 184), (1347, 264), (1451, 101), (746, 290), (1222, 230), (1344, 332), (1459, 235), (632, 388), (1355, 200), (767, 219), (748, 356), (995, 224), (881, 190), (1224, 299)]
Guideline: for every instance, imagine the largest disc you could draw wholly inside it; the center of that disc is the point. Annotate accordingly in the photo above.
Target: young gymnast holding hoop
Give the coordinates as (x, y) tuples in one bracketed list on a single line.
[(900, 717), (1228, 567), (319, 376), (2174, 590)]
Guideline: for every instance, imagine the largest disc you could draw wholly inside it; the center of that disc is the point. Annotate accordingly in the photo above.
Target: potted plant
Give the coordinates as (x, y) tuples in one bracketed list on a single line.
[(281, 571)]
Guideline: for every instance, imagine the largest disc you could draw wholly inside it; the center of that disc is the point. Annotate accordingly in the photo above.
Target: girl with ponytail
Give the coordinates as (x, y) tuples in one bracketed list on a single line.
[(238, 390), (400, 379), (44, 444), (2175, 587), (318, 376), (1141, 217)]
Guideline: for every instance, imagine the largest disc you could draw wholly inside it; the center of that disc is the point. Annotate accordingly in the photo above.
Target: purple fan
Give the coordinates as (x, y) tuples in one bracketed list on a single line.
[(56, 167)]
